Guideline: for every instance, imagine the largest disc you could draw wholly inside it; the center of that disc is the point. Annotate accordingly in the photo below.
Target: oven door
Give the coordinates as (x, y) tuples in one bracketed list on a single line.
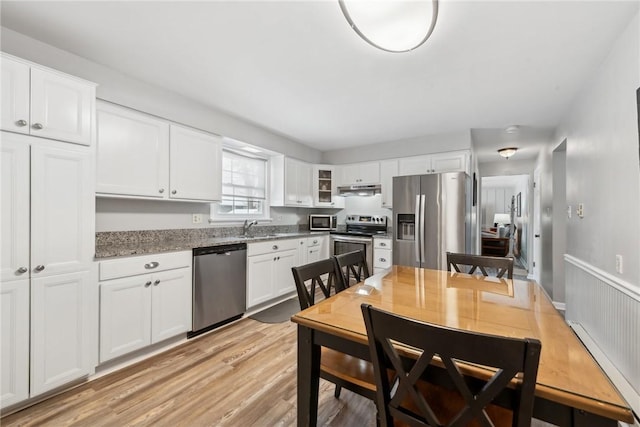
[(341, 244)]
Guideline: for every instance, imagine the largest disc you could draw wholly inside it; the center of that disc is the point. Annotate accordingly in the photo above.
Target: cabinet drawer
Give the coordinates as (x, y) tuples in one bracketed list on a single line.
[(271, 246), (132, 266), (382, 243), (314, 241), (382, 258)]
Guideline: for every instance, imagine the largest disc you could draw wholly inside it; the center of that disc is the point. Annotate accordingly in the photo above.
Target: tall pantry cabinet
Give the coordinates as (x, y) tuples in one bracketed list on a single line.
[(48, 295)]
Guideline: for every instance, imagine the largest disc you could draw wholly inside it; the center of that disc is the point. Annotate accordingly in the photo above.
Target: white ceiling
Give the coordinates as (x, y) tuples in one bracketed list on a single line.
[(298, 69)]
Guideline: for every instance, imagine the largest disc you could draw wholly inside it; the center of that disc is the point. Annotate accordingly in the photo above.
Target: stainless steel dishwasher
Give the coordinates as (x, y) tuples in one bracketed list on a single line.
[(219, 286)]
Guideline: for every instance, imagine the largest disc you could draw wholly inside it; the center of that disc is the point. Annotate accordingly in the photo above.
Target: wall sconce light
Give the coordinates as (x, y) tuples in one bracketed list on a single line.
[(391, 25), (507, 152)]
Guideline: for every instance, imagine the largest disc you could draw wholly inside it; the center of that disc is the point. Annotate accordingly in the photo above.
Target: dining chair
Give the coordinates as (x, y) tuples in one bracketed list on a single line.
[(353, 263), (407, 398), (502, 265), (339, 368)]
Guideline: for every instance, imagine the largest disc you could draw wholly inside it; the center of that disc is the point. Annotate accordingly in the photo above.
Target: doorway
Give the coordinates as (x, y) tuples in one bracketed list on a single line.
[(505, 199)]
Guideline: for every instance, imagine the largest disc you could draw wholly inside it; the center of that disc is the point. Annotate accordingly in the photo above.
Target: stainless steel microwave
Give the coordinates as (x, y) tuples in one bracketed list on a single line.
[(323, 222)]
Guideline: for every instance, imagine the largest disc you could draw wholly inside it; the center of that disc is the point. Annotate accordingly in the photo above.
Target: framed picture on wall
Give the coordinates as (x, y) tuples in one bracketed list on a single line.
[(519, 204)]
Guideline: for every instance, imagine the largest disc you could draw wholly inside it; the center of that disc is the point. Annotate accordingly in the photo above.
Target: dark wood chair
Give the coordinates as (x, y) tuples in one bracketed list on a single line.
[(502, 265), (339, 368), (353, 266), (408, 399)]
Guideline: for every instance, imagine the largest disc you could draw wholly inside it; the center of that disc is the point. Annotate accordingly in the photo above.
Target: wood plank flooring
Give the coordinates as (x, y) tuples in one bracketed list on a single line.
[(241, 375)]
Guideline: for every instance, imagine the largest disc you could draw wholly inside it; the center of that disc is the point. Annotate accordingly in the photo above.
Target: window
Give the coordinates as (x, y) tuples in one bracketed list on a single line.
[(244, 193)]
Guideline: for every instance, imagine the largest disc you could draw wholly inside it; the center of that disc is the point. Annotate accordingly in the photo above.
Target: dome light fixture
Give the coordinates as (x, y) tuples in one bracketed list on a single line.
[(507, 152), (392, 25)]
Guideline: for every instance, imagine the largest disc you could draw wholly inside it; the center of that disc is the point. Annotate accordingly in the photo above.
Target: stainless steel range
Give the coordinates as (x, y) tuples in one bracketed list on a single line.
[(359, 235)]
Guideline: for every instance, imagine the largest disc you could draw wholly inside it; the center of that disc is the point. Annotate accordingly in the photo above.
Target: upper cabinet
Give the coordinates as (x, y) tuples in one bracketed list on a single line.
[(388, 169), (360, 173), (325, 187), (42, 102), (290, 182), (142, 156), (455, 161)]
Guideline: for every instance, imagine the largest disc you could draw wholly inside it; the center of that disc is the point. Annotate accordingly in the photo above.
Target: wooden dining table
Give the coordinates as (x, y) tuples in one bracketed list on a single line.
[(571, 388)]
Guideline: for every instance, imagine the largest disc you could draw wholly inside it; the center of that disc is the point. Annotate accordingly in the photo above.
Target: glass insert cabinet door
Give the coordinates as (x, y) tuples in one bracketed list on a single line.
[(325, 185)]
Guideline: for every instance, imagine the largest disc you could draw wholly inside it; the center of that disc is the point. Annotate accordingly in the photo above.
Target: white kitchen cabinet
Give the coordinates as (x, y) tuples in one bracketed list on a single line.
[(455, 161), (46, 103), (132, 156), (195, 165), (14, 344), (388, 169), (142, 156), (269, 269), (137, 310), (61, 334), (317, 248), (325, 187), (48, 220), (360, 173), (382, 254), (290, 182), (302, 251)]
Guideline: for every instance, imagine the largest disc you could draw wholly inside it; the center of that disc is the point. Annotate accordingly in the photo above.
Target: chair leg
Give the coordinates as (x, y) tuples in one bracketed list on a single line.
[(337, 391)]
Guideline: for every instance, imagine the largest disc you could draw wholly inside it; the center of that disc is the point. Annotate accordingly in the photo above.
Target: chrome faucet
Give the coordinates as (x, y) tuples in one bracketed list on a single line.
[(247, 225)]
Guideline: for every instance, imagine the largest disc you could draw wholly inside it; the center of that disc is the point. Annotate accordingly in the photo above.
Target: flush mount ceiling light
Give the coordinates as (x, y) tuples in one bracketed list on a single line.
[(391, 25), (512, 129), (507, 152)]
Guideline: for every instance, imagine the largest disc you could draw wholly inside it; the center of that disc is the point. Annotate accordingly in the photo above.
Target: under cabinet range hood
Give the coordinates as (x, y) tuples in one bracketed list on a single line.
[(359, 190)]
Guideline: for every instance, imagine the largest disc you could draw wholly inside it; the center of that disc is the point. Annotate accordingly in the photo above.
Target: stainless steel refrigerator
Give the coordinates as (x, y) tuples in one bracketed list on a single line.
[(430, 217)]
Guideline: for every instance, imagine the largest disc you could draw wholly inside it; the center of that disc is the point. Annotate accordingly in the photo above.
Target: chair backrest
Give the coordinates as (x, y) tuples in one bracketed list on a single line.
[(401, 400), (353, 264), (502, 265), (314, 273)]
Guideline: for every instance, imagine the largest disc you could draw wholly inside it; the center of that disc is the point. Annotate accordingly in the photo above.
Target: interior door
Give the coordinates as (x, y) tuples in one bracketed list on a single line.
[(537, 239)]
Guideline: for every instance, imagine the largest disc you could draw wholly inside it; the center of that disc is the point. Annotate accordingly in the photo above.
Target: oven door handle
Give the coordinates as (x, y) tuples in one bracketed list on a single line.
[(352, 239)]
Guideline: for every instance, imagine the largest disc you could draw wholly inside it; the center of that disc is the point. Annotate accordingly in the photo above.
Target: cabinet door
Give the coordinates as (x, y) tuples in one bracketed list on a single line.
[(170, 304), (61, 107), (14, 109), (349, 174), (388, 169), (125, 315), (61, 333), (282, 277), (14, 348), (369, 173), (260, 278), (195, 165), (449, 162), (302, 252), (132, 153), (62, 210), (291, 182), (418, 165), (304, 184), (14, 207), (314, 254)]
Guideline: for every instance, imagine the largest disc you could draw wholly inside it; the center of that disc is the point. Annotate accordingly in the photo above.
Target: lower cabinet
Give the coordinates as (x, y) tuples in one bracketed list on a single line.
[(269, 269), (46, 333), (141, 310), (382, 254)]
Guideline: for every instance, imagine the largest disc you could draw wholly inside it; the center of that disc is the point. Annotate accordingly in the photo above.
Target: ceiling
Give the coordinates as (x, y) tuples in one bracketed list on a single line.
[(298, 69)]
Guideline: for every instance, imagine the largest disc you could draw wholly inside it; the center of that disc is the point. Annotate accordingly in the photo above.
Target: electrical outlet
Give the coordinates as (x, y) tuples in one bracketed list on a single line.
[(569, 212), (619, 264), (197, 218), (580, 210)]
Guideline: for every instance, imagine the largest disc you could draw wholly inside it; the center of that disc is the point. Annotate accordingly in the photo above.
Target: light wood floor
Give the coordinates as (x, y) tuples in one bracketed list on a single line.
[(242, 375)]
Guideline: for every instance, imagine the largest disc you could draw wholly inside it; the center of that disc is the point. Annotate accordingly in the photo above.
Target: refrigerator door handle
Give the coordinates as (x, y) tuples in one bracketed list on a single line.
[(423, 200), (417, 235)]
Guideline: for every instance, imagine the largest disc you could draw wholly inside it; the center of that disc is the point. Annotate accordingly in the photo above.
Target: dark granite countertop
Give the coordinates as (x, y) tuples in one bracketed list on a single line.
[(136, 247)]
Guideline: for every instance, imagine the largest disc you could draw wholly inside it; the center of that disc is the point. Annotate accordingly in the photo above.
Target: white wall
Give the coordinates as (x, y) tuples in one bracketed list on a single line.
[(602, 163), (405, 148), (559, 213)]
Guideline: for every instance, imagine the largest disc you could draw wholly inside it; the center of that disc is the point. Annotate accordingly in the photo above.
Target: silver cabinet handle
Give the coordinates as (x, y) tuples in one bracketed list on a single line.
[(383, 260), (37, 126), (21, 123), (156, 283), (302, 243), (274, 258), (274, 247), (39, 267), (383, 244), (174, 191), (161, 190), (22, 270), (146, 285), (151, 265)]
